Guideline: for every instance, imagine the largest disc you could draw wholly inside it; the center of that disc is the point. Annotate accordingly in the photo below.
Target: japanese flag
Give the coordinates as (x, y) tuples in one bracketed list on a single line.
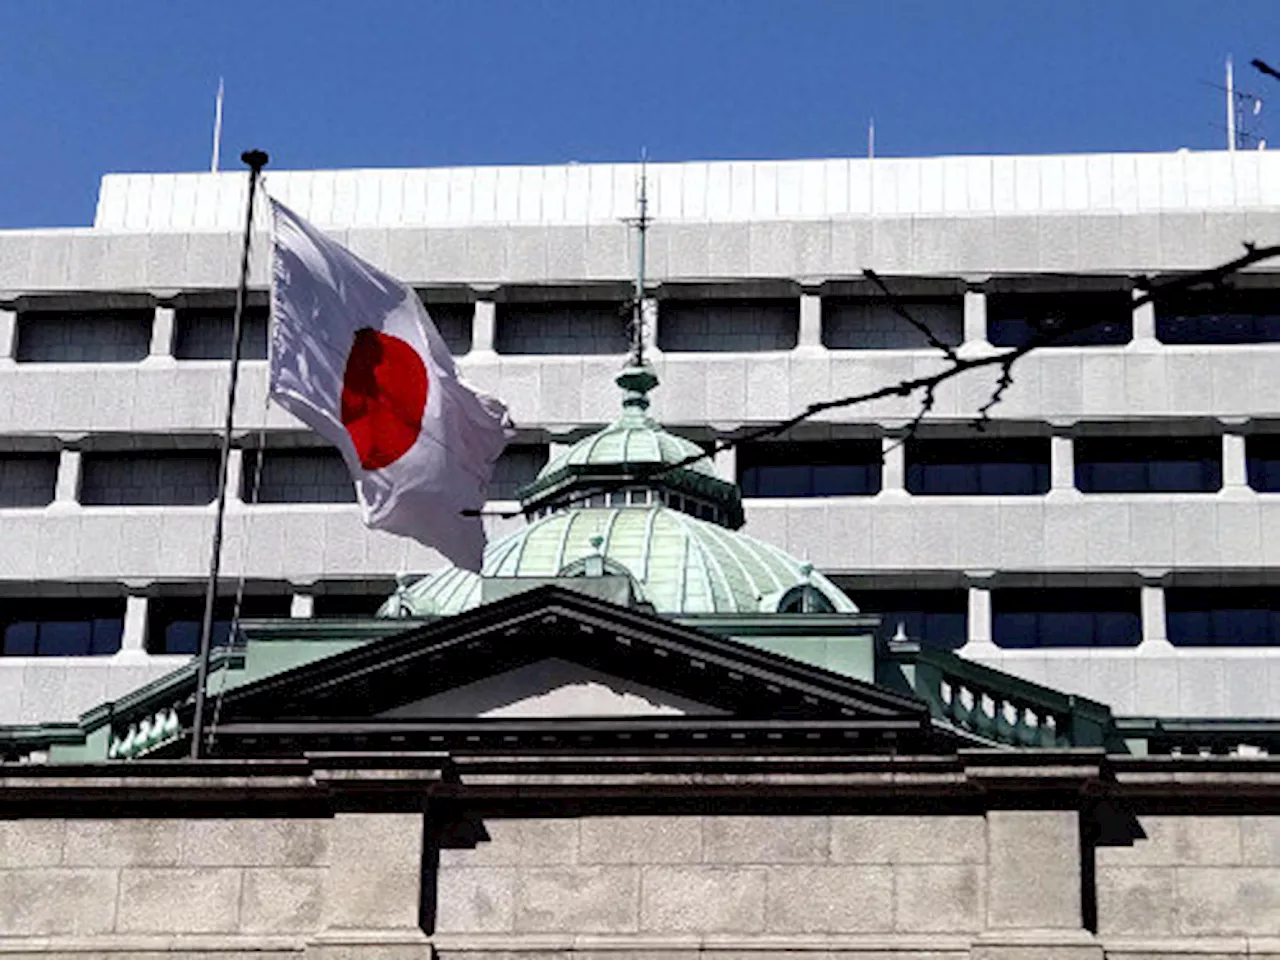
[(355, 356)]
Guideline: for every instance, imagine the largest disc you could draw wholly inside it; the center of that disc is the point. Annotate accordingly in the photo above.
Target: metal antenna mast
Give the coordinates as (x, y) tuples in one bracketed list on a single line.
[(641, 222)]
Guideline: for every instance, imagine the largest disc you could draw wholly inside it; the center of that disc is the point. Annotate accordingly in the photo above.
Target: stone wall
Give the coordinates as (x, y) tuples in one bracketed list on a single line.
[(1004, 885)]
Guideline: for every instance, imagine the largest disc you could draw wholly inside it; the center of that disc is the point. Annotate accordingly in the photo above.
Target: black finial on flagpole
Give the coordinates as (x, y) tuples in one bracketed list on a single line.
[(255, 160)]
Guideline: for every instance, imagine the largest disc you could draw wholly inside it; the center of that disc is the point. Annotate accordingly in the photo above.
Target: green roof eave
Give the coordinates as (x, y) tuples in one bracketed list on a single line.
[(783, 624)]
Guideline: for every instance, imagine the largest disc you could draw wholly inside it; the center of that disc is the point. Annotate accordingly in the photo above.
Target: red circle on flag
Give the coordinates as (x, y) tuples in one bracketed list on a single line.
[(384, 395)]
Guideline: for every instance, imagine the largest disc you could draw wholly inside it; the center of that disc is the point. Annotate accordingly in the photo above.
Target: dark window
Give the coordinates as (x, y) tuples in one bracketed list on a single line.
[(28, 479), (205, 333), (1263, 453), (1148, 464), (1219, 316), (97, 336), (155, 478), (62, 627), (519, 465), (1066, 618), (979, 465), (938, 619), (1226, 617), (349, 604), (453, 320), (729, 325), (1014, 319), (586, 327), (173, 623), (874, 324), (297, 476), (832, 468)]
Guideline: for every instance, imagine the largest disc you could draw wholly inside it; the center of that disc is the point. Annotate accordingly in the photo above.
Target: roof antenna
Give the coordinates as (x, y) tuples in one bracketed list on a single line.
[(1231, 105), (641, 222), (217, 129), (871, 138)]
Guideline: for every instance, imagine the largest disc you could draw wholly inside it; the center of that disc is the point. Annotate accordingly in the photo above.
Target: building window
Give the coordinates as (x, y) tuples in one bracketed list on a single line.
[(746, 326), (84, 336), (1148, 464), (1262, 451), (937, 619), (454, 321), (982, 466), (1219, 316), (205, 333), (518, 466), (1013, 320), (1026, 618), (315, 475), (873, 324), (830, 468), (153, 478), (61, 627), (28, 479), (349, 604), (173, 623), (1222, 617), (573, 328)]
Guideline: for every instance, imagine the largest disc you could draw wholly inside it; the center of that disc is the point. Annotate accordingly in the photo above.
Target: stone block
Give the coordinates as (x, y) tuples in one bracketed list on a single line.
[(375, 878), (1136, 901), (908, 839), (1259, 841), (1033, 861), (520, 843), (702, 900), (282, 899), (1217, 901), (1179, 841), (938, 898), (577, 900), (476, 900), (255, 843), (640, 840), (31, 843), (765, 839), (805, 899), (121, 843), (178, 900), (43, 901)]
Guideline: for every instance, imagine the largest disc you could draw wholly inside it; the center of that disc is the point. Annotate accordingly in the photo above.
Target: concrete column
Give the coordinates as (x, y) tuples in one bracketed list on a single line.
[(1144, 321), (975, 318), (235, 475), (8, 334), (134, 641), (482, 326), (1155, 636), (374, 881), (1235, 463), (726, 464), (67, 490), (302, 606), (810, 320), (1062, 462), (162, 334), (893, 470), (979, 617)]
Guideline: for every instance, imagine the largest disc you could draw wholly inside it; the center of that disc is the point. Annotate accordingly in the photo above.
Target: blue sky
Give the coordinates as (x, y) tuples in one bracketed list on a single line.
[(95, 86)]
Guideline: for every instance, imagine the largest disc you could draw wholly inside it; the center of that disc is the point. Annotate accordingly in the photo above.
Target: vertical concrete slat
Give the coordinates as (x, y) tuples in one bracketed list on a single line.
[(810, 320), (975, 318), (162, 330), (893, 475), (134, 640), (1062, 462), (67, 489), (483, 326)]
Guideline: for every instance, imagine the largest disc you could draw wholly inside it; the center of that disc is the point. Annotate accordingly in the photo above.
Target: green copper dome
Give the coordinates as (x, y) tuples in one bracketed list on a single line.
[(682, 565), (634, 499)]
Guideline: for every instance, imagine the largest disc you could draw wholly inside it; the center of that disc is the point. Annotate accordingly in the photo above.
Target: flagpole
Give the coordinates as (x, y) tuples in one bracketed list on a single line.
[(255, 160)]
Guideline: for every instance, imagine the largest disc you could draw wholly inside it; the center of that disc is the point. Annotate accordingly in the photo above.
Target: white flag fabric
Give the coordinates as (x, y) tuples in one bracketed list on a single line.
[(355, 356)]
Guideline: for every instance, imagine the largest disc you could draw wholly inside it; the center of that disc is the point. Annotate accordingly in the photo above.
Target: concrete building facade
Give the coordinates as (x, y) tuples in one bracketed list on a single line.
[(1111, 534)]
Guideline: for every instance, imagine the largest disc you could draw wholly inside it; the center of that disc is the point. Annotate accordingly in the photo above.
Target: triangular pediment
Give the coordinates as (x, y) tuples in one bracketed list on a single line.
[(547, 663), (551, 688)]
